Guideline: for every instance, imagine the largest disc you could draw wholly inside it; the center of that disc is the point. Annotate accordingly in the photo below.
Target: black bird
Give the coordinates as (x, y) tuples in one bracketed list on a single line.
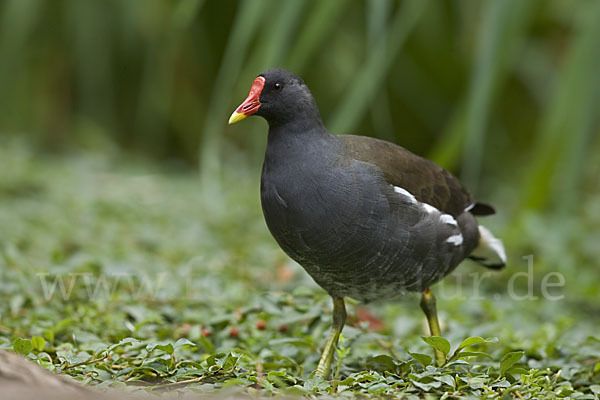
[(367, 219)]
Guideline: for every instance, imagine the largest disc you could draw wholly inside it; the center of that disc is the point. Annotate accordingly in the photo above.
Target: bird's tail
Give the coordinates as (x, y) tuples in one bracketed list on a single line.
[(490, 250)]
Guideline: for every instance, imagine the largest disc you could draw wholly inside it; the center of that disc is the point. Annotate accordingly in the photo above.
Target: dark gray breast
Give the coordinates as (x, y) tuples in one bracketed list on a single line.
[(357, 235)]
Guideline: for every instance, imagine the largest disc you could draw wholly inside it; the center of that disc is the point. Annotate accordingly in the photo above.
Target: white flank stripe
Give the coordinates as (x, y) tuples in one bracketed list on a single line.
[(448, 219), (429, 209), (405, 193), (455, 239)]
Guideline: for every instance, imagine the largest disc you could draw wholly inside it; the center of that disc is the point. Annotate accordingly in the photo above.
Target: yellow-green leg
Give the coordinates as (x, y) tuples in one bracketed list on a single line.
[(428, 307), (339, 318)]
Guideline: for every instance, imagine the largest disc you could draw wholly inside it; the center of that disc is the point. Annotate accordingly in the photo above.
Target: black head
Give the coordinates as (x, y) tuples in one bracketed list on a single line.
[(281, 98)]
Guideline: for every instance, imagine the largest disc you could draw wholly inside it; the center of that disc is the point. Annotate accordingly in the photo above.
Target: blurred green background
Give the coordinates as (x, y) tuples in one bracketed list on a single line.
[(115, 155), (505, 94), (501, 93)]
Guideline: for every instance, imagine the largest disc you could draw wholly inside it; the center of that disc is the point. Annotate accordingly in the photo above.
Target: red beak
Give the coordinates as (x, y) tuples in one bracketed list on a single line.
[(252, 102)]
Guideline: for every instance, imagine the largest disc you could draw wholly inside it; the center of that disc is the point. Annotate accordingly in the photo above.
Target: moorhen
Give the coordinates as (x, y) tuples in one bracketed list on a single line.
[(367, 219)]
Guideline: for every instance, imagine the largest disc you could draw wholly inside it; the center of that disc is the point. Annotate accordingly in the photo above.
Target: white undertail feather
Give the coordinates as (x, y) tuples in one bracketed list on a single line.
[(490, 250)]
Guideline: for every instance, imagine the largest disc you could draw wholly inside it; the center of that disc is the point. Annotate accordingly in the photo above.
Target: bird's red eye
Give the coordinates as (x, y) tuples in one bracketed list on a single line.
[(278, 86)]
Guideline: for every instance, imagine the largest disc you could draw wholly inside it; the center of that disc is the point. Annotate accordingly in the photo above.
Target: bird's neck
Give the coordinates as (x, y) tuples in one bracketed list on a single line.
[(294, 141), (297, 121), (296, 132)]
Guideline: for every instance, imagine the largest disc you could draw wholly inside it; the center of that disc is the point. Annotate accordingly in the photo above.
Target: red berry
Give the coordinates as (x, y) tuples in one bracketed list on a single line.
[(283, 328), (261, 325), (205, 332), (234, 332)]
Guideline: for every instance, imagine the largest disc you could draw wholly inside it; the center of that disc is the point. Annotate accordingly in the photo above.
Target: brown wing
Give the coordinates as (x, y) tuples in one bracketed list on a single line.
[(425, 180)]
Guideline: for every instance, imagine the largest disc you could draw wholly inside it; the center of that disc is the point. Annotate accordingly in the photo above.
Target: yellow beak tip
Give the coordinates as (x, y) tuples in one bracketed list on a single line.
[(235, 117)]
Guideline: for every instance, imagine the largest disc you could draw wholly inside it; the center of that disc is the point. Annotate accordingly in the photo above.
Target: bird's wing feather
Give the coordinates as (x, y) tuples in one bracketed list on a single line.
[(425, 180)]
